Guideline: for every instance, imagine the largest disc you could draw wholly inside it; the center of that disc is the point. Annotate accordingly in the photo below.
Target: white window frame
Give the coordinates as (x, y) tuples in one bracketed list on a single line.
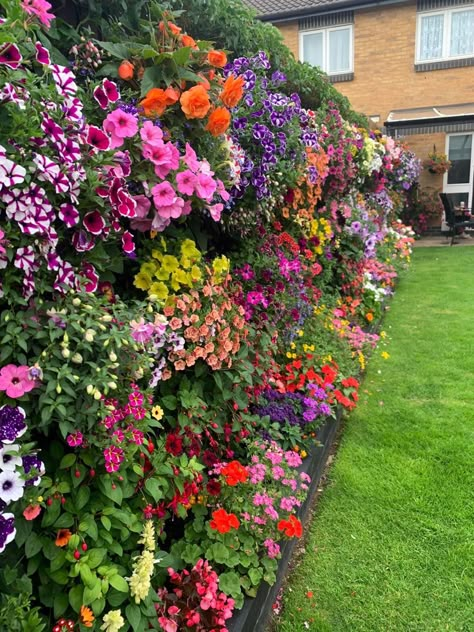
[(447, 13), (325, 32), (463, 187)]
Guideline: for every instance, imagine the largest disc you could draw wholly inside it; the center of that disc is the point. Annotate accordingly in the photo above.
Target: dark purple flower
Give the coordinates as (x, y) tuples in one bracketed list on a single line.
[(33, 466), (12, 423), (7, 530)]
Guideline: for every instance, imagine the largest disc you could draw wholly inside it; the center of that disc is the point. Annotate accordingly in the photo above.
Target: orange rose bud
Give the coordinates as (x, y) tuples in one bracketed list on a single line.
[(217, 58), (155, 102), (187, 40), (219, 121), (172, 95), (176, 30), (195, 102), (126, 70), (233, 91)]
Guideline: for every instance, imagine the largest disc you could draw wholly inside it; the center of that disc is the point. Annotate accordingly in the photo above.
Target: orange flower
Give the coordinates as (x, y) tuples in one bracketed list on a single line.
[(126, 70), (217, 58), (187, 40), (369, 317), (195, 102), (219, 121), (155, 102), (172, 95), (223, 521), (86, 617), (63, 537), (176, 30), (292, 527), (234, 473), (233, 91)]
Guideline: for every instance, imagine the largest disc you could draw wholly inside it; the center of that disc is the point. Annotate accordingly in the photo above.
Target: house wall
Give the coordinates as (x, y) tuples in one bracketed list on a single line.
[(385, 77)]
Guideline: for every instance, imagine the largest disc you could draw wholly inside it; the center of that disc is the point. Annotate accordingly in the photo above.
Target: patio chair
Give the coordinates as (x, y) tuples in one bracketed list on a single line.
[(452, 220)]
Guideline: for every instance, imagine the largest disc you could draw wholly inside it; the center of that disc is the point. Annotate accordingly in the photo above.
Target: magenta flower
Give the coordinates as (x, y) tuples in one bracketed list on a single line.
[(91, 276), (68, 214), (10, 56), (172, 211), (185, 182), (97, 138), (15, 380), (190, 158), (42, 54), (94, 223), (40, 9), (106, 93), (121, 124), (128, 245), (75, 439)]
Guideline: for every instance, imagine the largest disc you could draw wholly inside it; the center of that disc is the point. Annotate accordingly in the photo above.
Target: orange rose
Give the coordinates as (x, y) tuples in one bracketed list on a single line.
[(219, 121), (126, 70), (217, 58), (187, 40), (233, 91), (195, 102), (155, 102)]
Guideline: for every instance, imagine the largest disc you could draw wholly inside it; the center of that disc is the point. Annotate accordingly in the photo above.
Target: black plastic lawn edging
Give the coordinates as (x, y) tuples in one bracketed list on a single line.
[(256, 611)]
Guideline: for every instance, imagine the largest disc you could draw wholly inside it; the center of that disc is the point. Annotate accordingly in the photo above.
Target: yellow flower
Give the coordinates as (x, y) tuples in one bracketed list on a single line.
[(113, 621), (159, 290), (140, 581), (303, 454), (142, 281), (385, 355), (149, 268), (162, 274), (195, 274), (157, 254), (148, 536), (189, 250), (221, 267), (157, 412), (170, 263)]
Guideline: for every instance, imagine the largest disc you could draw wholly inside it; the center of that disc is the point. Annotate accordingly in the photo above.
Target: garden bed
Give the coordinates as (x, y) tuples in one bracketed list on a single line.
[(256, 611)]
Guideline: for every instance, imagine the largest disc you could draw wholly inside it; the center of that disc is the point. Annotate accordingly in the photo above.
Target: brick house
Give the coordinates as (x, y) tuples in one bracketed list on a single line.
[(408, 65)]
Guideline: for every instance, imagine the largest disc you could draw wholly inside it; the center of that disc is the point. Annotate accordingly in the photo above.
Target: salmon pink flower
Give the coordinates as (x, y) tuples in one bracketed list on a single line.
[(32, 512)]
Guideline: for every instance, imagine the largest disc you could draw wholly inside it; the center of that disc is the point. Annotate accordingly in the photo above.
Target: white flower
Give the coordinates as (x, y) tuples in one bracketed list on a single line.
[(11, 486), (9, 459), (113, 621)]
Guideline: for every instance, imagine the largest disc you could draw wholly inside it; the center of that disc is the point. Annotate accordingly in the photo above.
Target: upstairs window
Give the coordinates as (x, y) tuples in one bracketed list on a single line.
[(330, 49), (445, 35)]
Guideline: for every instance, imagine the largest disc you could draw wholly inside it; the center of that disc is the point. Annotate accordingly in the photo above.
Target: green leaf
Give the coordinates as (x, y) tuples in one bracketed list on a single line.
[(75, 597), (169, 401), (152, 78), (181, 56), (82, 497), (119, 583), (121, 51), (152, 485), (95, 557), (230, 584), (217, 552), (91, 594), (23, 530), (255, 575), (133, 616), (116, 598), (58, 561), (64, 521), (32, 545), (67, 461), (61, 603), (51, 514), (106, 522), (191, 553)]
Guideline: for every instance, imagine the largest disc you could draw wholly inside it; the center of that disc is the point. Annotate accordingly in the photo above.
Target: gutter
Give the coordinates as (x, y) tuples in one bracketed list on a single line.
[(309, 12)]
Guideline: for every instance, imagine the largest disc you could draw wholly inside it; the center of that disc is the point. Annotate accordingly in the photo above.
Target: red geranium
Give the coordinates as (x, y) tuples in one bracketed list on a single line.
[(292, 527), (174, 444), (234, 473), (223, 521)]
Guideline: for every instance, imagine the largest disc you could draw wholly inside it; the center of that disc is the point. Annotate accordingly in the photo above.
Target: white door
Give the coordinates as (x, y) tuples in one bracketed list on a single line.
[(458, 181)]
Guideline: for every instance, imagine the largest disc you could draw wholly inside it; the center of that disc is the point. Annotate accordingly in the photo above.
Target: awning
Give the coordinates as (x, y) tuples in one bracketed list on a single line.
[(452, 118)]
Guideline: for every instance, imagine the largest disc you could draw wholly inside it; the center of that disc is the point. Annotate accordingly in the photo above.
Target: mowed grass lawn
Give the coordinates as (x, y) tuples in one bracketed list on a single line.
[(391, 545)]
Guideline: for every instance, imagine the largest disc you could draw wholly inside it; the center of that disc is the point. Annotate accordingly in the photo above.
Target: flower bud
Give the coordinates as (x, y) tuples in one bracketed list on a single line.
[(65, 353), (112, 385), (106, 318), (76, 302), (107, 342), (89, 335), (65, 337), (89, 389), (77, 358), (97, 394), (58, 389), (112, 356)]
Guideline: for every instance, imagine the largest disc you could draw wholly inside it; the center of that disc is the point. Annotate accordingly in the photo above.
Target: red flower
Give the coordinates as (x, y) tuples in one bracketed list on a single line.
[(234, 473), (223, 521), (174, 444), (350, 382), (292, 527)]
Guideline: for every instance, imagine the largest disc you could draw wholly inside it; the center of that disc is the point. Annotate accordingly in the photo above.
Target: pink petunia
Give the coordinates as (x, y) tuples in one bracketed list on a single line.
[(205, 186), (186, 181), (172, 211), (190, 158), (15, 380), (97, 138), (94, 223), (40, 9), (91, 276), (215, 210), (42, 54), (163, 194), (128, 245), (150, 133), (121, 124), (75, 439), (32, 512), (10, 56)]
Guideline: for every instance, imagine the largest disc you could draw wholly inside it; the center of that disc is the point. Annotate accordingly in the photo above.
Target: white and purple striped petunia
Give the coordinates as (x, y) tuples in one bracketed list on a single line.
[(11, 174), (64, 80), (68, 214)]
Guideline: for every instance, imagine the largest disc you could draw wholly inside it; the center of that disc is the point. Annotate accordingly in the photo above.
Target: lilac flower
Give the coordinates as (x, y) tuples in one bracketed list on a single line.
[(11, 486)]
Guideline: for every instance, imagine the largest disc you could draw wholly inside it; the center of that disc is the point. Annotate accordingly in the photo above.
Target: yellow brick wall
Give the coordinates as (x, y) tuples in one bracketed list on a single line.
[(290, 34)]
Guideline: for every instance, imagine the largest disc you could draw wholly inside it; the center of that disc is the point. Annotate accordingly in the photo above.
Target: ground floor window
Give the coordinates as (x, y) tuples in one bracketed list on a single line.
[(459, 180)]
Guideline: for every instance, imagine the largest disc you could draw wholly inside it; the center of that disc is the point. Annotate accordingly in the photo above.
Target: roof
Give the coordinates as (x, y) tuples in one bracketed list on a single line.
[(275, 10)]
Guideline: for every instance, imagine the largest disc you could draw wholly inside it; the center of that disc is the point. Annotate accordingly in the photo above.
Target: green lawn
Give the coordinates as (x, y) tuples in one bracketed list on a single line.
[(391, 546)]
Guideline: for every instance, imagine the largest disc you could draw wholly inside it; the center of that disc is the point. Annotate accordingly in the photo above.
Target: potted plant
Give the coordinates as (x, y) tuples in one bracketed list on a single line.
[(437, 162)]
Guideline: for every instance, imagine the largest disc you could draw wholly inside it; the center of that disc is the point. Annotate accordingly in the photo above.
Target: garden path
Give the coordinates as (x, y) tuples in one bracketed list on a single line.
[(390, 547)]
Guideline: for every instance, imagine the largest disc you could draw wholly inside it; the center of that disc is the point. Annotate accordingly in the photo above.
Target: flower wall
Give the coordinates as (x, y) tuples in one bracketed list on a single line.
[(190, 264)]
